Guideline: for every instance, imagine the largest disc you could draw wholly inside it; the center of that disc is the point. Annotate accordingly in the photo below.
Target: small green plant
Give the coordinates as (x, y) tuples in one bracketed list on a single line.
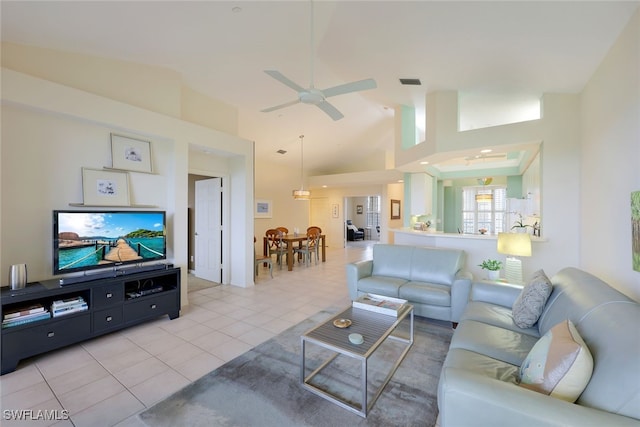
[(491, 265)]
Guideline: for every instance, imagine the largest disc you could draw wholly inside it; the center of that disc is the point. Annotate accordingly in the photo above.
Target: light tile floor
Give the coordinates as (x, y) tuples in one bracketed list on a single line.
[(108, 380)]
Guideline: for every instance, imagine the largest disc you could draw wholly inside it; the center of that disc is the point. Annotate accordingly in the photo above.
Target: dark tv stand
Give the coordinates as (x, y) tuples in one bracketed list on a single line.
[(114, 303)]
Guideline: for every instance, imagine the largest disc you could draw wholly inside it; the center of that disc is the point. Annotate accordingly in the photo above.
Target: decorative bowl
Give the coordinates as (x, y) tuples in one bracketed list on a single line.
[(342, 323)]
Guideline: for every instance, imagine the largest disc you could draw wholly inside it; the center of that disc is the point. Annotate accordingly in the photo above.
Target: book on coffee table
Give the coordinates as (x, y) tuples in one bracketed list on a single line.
[(380, 304)]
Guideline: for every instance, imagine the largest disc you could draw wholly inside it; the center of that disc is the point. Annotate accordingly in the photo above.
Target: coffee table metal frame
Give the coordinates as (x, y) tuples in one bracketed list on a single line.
[(375, 328)]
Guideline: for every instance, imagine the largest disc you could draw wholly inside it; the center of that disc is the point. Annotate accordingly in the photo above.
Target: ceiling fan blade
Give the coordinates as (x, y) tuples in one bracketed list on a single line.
[(330, 110), (284, 80), (350, 87), (277, 107)]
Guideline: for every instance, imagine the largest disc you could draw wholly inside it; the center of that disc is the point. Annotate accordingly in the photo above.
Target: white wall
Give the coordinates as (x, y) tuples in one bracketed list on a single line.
[(610, 162), (276, 183), (50, 131)]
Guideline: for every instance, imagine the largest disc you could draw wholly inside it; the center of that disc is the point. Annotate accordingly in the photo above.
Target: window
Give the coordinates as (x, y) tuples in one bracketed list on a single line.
[(373, 211), (483, 207)]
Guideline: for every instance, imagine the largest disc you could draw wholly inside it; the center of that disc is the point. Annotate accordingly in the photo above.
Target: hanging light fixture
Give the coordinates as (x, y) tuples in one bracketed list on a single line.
[(301, 194), (484, 197)]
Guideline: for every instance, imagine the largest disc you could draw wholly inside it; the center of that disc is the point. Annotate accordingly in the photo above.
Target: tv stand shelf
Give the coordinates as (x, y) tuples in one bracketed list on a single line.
[(114, 303)]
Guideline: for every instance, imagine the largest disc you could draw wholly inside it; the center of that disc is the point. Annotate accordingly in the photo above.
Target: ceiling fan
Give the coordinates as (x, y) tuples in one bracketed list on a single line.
[(486, 156), (314, 96)]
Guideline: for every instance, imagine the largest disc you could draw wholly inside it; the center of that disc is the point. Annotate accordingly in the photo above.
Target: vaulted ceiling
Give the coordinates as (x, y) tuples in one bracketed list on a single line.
[(517, 50)]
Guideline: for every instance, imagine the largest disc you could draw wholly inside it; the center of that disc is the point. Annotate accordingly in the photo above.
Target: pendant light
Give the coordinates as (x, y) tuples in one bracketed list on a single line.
[(484, 197), (301, 194)]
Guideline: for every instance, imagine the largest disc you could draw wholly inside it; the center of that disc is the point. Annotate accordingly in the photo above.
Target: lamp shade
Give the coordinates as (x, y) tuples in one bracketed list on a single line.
[(514, 244), (301, 194)]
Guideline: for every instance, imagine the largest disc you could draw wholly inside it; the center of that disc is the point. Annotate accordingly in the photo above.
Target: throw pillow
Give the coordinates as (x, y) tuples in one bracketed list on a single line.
[(528, 307), (559, 364), (353, 227)]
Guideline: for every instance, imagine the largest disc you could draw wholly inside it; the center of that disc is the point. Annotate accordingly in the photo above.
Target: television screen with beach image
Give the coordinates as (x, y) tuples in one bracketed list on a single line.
[(85, 240)]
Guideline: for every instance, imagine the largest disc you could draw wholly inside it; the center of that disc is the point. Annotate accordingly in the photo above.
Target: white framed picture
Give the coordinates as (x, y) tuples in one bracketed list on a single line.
[(130, 154), (263, 209), (105, 188)]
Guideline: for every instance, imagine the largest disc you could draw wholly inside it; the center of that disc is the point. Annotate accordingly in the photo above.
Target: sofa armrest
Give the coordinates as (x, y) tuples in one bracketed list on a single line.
[(355, 272), (466, 398), (503, 294), (460, 291)]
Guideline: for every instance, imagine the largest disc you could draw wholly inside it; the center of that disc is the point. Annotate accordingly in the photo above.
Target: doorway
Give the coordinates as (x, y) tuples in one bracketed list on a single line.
[(206, 231), (364, 213)]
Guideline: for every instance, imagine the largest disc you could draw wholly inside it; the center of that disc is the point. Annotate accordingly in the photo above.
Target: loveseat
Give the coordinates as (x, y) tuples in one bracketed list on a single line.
[(431, 279), (479, 383)]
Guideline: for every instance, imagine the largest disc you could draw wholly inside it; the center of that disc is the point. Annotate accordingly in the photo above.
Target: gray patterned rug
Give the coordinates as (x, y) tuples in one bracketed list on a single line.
[(262, 386)]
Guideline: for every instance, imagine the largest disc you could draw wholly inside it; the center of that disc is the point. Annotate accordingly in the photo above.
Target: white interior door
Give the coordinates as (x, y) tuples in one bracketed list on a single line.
[(208, 230)]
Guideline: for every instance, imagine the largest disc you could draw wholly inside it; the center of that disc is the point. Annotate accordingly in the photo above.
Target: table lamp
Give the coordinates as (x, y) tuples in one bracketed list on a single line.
[(514, 245)]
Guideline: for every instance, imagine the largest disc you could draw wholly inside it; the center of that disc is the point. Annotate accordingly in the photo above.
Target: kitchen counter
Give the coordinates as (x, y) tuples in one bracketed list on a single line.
[(441, 234), (478, 247)]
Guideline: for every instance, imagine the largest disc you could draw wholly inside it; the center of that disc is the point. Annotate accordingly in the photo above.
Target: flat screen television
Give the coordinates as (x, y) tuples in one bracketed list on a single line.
[(87, 240)]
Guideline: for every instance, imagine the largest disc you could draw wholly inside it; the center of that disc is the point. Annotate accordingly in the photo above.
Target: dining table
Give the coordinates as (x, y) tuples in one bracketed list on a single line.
[(291, 240)]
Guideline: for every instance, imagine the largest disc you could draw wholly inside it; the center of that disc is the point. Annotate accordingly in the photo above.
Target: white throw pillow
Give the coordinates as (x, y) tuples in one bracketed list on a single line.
[(353, 227), (559, 364), (529, 305)]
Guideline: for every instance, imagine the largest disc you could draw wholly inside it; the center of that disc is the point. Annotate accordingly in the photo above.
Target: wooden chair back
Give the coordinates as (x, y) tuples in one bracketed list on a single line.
[(316, 227), (274, 239)]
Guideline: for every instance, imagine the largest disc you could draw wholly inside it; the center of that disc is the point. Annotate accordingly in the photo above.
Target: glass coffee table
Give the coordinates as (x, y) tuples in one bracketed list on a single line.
[(375, 328)]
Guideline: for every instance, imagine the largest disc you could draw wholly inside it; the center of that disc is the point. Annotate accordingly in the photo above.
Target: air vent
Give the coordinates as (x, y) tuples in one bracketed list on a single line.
[(281, 151), (411, 82)]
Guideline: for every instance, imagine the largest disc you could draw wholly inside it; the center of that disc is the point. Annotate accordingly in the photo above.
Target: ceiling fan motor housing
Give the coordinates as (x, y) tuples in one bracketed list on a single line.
[(311, 96)]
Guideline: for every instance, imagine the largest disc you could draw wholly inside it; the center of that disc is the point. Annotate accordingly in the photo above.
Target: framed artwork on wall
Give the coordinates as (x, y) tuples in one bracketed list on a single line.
[(395, 209), (130, 154), (105, 188), (359, 209), (263, 209), (335, 210)]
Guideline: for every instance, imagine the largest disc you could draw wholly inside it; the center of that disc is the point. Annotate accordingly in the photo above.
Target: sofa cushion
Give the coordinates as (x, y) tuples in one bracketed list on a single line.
[(426, 293), (559, 364), (529, 305), (496, 315), (480, 364), (493, 341), (436, 265), (392, 261), (381, 285)]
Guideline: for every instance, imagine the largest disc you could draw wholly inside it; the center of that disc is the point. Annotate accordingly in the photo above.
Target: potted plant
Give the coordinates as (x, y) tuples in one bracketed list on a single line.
[(493, 266), (519, 226)]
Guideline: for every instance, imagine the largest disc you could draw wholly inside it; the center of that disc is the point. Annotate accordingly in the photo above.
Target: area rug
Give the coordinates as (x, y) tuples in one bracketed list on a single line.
[(262, 387)]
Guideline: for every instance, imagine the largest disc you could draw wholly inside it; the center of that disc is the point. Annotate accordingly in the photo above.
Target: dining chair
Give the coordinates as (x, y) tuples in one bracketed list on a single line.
[(261, 259), (275, 244), (284, 230), (312, 227), (310, 246)]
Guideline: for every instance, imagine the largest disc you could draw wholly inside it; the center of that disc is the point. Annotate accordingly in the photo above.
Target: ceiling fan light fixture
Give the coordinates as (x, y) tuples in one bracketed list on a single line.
[(313, 96)]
